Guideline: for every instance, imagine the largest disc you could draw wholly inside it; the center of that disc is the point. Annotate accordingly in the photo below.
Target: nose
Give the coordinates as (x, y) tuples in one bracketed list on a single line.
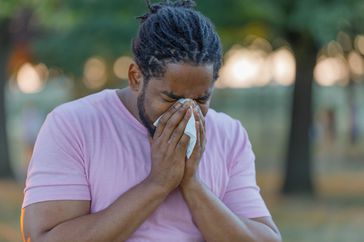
[(190, 102)]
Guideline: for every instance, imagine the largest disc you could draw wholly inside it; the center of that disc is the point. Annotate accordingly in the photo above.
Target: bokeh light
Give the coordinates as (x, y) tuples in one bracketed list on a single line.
[(121, 67), (356, 64), (31, 78), (359, 43), (284, 67), (334, 49), (345, 41), (331, 70), (257, 66), (244, 68), (95, 73)]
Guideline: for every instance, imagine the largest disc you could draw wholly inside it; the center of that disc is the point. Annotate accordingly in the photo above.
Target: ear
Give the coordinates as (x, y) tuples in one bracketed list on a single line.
[(135, 77)]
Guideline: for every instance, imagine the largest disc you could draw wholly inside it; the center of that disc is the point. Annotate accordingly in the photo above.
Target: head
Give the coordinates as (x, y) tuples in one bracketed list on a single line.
[(177, 54)]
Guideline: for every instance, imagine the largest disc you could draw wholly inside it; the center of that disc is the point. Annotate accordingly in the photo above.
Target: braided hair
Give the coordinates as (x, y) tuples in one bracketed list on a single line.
[(174, 32)]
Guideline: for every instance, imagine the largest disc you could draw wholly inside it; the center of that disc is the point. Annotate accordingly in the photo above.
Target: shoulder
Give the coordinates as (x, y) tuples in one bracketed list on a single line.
[(76, 118), (227, 136), (83, 109), (224, 126)]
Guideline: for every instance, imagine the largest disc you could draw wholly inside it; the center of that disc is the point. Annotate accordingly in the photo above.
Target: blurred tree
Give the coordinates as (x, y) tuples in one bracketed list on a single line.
[(71, 32), (307, 26), (77, 30), (12, 34), (5, 170)]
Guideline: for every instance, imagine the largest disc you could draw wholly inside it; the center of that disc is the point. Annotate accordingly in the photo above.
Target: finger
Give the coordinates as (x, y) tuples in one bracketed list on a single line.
[(199, 111), (179, 131), (202, 122), (166, 116), (198, 132), (202, 118), (196, 149), (183, 144), (202, 136), (173, 122)]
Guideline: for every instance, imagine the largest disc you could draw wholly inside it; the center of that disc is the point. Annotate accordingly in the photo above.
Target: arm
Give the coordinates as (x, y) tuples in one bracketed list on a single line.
[(218, 223), (72, 221), (214, 219)]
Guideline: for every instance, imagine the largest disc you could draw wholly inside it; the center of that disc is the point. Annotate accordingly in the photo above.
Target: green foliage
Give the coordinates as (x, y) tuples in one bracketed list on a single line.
[(72, 31), (76, 30), (321, 19), (8, 7)]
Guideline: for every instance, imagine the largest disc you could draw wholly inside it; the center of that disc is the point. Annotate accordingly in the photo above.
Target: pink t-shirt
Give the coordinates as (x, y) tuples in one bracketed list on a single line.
[(94, 149)]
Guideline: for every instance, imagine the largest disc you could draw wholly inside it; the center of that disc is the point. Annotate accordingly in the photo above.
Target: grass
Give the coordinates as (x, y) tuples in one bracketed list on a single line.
[(10, 203), (335, 214)]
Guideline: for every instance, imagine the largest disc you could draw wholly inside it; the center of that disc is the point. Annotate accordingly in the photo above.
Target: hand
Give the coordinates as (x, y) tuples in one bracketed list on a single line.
[(193, 162), (168, 147)]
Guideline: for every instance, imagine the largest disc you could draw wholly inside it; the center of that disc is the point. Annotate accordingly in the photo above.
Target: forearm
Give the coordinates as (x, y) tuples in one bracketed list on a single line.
[(115, 223), (218, 223)]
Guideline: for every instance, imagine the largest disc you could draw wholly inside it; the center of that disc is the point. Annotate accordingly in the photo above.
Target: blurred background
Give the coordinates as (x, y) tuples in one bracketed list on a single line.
[(293, 74)]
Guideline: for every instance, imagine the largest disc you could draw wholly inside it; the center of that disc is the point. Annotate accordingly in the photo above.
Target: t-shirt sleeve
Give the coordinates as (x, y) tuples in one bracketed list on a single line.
[(57, 167), (242, 195)]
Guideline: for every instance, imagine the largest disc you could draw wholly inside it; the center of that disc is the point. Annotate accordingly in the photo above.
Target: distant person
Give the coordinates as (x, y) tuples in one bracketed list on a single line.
[(327, 124), (102, 171), (31, 121)]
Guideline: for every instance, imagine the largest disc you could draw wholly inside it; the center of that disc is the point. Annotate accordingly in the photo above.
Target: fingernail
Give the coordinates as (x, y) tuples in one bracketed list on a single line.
[(188, 112)]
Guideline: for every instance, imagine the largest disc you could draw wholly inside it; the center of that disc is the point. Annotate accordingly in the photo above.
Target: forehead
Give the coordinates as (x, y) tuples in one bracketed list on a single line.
[(185, 80)]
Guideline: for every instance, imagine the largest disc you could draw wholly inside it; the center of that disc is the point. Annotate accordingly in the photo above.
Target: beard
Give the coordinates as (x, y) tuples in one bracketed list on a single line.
[(143, 115)]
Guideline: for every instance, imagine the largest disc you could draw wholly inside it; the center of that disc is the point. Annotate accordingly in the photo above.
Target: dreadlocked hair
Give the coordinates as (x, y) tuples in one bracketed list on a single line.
[(174, 32)]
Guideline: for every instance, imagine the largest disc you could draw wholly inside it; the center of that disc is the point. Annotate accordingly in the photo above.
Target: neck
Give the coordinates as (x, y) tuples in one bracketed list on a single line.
[(129, 99)]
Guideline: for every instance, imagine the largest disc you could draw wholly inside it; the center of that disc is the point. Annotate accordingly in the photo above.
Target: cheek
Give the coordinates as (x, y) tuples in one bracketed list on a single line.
[(156, 107)]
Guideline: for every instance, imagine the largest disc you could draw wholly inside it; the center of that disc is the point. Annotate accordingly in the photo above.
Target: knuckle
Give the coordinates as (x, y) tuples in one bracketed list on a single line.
[(169, 125), (180, 129), (178, 132), (172, 122), (182, 143), (184, 139), (173, 136), (163, 120), (175, 107), (180, 111), (187, 117), (182, 125)]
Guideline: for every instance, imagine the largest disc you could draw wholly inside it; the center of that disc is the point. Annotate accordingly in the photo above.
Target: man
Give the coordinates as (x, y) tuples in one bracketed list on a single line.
[(101, 170)]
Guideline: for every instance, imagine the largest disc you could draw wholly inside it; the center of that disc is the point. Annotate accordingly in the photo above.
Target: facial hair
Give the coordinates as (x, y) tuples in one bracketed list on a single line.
[(143, 115)]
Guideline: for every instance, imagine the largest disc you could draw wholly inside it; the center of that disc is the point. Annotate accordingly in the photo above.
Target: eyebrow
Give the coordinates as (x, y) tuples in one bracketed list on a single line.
[(174, 96)]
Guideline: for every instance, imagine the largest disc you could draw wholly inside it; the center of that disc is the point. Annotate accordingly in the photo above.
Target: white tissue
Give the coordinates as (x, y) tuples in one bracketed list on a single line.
[(190, 130)]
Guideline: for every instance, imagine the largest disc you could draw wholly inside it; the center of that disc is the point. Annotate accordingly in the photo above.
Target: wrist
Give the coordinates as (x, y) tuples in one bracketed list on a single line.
[(158, 187), (190, 183)]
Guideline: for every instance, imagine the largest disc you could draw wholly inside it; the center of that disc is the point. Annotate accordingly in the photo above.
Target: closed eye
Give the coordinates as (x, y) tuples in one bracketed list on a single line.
[(203, 100), (169, 100)]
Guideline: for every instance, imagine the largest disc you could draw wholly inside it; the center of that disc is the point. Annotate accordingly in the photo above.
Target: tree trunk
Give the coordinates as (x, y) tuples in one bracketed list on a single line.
[(353, 114), (298, 170), (5, 167)]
